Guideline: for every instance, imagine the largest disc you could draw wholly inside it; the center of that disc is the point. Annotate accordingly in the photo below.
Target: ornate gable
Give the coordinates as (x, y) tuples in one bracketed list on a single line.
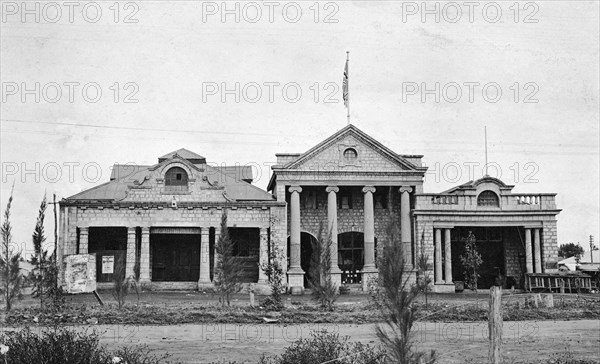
[(350, 149)]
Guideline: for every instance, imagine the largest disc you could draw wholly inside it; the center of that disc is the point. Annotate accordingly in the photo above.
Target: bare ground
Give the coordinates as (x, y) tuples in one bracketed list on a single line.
[(454, 342)]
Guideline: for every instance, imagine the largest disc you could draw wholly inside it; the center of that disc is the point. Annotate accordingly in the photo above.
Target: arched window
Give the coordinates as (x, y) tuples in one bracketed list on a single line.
[(488, 198), (350, 155), (176, 179)]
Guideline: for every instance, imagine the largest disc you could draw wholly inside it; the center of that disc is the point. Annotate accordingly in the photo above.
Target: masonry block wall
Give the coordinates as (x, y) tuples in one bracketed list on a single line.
[(75, 218), (348, 219)]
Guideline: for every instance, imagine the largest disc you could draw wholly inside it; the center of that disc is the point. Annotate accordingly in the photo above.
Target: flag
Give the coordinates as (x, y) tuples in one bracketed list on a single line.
[(345, 86)]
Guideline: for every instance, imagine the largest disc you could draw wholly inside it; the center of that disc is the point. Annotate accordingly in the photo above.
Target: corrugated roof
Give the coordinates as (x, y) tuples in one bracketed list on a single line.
[(122, 176), (183, 153)]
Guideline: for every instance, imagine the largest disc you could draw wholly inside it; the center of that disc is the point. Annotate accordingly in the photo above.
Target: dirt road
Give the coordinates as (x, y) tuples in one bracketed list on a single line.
[(454, 342)]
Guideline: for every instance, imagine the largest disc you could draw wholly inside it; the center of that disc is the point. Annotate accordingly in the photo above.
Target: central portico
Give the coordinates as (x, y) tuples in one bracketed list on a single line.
[(356, 187)]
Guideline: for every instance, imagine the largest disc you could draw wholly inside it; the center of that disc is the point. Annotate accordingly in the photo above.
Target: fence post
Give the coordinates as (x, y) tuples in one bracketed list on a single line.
[(495, 325)]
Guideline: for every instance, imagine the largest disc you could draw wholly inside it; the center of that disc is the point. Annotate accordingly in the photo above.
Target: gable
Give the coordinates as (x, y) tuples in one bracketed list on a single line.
[(372, 156)]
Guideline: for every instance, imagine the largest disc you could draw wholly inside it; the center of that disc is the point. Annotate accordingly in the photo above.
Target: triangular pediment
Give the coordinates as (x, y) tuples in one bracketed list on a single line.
[(371, 155)]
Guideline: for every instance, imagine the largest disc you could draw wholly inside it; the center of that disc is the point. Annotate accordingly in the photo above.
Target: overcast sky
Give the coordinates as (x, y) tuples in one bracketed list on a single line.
[(172, 61)]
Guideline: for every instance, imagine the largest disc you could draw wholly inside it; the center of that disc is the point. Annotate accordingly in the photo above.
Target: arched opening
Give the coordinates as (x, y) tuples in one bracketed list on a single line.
[(306, 243), (488, 198), (351, 256), (350, 155), (176, 179)]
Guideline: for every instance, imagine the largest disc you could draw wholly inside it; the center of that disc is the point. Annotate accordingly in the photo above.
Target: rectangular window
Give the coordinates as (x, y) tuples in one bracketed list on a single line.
[(345, 200)]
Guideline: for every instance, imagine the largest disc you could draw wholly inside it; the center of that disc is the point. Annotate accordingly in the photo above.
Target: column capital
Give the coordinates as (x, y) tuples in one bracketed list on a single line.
[(293, 189), (83, 229), (145, 229), (405, 189), (368, 189), (335, 189)]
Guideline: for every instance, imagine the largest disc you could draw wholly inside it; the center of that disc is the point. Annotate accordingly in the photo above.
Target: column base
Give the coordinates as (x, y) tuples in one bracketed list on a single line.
[(368, 274), (296, 281), (336, 278), (443, 288), (202, 285)]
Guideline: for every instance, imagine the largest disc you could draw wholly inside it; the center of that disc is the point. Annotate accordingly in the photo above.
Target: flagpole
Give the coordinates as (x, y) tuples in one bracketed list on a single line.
[(486, 152), (348, 83)]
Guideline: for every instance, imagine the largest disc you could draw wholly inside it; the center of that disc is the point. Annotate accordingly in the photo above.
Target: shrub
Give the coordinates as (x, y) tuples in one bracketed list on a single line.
[(62, 345), (57, 345), (275, 273), (324, 290), (324, 347), (10, 274), (397, 305), (228, 272)]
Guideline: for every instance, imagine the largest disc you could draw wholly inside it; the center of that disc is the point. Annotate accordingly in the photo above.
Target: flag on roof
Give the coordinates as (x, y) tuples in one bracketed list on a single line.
[(345, 85)]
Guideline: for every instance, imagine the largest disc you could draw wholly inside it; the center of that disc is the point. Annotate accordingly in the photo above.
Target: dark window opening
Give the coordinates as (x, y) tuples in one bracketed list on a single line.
[(176, 179), (351, 256), (381, 199), (345, 199), (246, 246), (488, 198), (108, 242)]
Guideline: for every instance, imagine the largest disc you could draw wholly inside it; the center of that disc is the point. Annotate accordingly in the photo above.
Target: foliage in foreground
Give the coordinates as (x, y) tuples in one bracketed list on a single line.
[(63, 345), (471, 260), (275, 272), (10, 274), (324, 289), (324, 347), (397, 306), (228, 272)]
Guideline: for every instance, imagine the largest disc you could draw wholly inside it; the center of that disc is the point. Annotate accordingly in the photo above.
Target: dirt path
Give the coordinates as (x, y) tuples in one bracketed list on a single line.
[(454, 342)]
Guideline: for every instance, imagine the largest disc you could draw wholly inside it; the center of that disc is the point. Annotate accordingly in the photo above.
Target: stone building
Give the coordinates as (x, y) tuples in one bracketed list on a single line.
[(163, 220), (357, 187)]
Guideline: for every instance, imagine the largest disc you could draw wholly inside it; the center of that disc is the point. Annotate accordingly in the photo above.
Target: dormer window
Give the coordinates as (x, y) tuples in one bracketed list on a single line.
[(176, 179), (350, 155), (488, 198)]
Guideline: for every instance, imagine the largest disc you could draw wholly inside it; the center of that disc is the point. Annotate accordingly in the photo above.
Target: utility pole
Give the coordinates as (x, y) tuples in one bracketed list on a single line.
[(55, 225), (592, 248)]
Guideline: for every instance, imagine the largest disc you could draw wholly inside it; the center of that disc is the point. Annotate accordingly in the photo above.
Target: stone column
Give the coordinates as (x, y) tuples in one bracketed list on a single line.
[(83, 240), (332, 227), (130, 256), (145, 256), (263, 257), (448, 259), (204, 278), (295, 272), (369, 269), (528, 251), (438, 257), (405, 231), (537, 250)]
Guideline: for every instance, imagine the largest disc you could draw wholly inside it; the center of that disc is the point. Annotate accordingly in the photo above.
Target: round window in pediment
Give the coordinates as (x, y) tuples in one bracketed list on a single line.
[(350, 155)]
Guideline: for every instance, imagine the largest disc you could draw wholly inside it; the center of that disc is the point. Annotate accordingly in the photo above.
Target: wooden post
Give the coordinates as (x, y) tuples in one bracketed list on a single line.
[(495, 325)]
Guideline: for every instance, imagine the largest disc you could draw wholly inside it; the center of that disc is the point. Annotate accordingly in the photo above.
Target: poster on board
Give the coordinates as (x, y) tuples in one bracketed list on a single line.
[(108, 264), (80, 273)]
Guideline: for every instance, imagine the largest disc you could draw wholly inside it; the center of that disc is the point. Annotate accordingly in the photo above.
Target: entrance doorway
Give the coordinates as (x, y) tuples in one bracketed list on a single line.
[(306, 250), (175, 257), (491, 246)]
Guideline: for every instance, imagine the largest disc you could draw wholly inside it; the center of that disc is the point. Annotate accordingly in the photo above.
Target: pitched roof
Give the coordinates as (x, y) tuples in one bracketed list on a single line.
[(234, 179), (185, 154), (474, 183), (351, 129)]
